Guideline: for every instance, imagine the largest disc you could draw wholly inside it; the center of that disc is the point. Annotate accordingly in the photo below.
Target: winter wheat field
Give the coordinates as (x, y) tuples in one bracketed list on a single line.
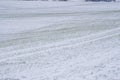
[(72, 40)]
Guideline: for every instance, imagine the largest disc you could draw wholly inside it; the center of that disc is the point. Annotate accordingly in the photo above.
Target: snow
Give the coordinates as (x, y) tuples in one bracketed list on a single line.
[(71, 40)]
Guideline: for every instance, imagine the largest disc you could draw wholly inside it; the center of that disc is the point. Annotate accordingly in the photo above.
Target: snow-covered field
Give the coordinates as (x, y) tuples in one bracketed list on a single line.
[(59, 40)]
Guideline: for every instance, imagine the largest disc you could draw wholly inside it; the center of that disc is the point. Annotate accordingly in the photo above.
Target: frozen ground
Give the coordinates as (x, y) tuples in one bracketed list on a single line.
[(59, 40)]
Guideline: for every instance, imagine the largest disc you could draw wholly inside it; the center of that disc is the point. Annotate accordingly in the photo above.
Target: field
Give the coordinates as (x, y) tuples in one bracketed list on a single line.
[(59, 40)]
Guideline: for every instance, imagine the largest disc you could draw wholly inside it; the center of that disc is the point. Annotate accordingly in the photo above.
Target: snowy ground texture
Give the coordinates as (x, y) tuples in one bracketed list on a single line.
[(59, 40)]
